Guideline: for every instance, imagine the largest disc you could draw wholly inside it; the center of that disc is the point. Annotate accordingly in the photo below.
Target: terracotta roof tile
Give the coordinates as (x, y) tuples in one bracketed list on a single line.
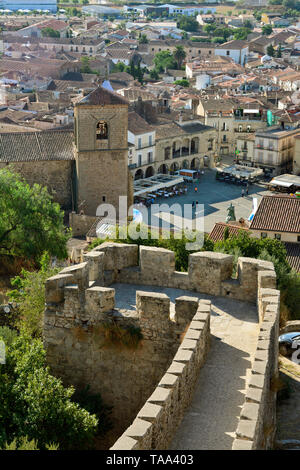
[(277, 214), (217, 233), (101, 96), (36, 146)]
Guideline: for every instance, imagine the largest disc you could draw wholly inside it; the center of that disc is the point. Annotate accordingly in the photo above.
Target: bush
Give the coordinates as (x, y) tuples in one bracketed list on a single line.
[(24, 444), (35, 404), (29, 293), (93, 403), (183, 82)]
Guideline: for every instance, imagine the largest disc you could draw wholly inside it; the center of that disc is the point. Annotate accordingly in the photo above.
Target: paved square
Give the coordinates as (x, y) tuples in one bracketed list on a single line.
[(216, 197)]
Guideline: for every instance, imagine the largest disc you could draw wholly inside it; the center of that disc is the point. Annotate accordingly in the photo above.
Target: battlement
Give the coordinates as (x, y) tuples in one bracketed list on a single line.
[(208, 272), (84, 326)]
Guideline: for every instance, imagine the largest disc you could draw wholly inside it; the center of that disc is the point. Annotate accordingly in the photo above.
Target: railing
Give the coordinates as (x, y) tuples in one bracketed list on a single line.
[(244, 131)]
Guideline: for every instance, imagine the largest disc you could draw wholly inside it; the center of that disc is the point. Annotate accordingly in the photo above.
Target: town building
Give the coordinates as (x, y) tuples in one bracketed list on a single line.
[(296, 160), (141, 154), (274, 149)]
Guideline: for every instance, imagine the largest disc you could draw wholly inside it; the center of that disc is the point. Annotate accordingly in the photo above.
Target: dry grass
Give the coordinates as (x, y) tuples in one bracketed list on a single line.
[(114, 335)]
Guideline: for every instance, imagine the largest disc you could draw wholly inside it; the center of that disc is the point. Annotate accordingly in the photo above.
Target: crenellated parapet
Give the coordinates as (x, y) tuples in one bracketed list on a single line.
[(83, 331)]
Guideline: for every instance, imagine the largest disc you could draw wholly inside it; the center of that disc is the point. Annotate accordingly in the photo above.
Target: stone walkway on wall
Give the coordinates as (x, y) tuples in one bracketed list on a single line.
[(211, 420)]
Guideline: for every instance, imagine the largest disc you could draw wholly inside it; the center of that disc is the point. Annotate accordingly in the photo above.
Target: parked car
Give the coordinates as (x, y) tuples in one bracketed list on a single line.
[(288, 343)]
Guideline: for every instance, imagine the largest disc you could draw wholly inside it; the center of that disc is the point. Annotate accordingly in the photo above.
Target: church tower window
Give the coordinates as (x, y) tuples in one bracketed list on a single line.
[(102, 130)]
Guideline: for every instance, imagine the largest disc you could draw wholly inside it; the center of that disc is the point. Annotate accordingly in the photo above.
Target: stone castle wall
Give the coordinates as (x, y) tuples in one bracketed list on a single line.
[(156, 422), (80, 312), (257, 423), (208, 272), (78, 320)]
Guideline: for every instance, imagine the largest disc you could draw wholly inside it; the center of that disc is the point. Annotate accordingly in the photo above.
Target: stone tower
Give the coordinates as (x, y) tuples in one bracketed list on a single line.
[(101, 150)]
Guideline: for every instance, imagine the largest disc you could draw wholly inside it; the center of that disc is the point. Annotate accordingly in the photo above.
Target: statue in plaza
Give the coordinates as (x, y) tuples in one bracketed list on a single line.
[(230, 213)]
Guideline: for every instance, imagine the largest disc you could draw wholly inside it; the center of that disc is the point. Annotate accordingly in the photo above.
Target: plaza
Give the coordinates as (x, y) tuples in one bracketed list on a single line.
[(216, 197)]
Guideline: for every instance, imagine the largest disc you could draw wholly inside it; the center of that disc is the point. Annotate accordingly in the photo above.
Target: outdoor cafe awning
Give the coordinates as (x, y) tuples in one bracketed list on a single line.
[(156, 185), (285, 184)]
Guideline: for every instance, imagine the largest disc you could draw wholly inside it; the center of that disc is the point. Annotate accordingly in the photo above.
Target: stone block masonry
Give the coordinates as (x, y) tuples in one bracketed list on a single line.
[(208, 272), (151, 383), (78, 320), (156, 422), (257, 424)]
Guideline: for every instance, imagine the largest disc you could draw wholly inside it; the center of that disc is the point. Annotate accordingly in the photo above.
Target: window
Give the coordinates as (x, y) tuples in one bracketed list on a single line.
[(224, 138), (248, 128), (140, 160), (263, 235), (149, 157), (227, 52), (150, 139), (103, 198), (277, 236), (298, 238), (101, 131), (240, 128), (209, 52), (139, 142)]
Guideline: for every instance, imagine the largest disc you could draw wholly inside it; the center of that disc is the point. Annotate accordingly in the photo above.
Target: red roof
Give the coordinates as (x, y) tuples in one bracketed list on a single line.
[(277, 213), (217, 233)]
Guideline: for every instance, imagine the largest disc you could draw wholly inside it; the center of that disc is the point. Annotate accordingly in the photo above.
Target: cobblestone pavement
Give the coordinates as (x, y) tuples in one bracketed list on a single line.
[(211, 420)]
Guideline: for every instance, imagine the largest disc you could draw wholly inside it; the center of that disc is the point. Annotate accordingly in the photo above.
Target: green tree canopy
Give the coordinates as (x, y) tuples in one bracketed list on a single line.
[(183, 82), (30, 223), (241, 33), (34, 403), (267, 29), (179, 55), (50, 33), (164, 60), (143, 39), (271, 50), (187, 23)]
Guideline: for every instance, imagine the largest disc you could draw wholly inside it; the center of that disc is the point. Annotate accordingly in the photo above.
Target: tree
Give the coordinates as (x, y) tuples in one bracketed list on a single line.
[(279, 52), (187, 23), (267, 29), (154, 75), (143, 39), (50, 33), (35, 404), (30, 223), (183, 82), (179, 55), (164, 60), (241, 33), (85, 68), (209, 28), (271, 50)]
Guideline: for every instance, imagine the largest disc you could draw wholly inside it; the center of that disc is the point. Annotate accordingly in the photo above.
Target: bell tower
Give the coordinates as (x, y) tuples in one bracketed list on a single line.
[(101, 150)]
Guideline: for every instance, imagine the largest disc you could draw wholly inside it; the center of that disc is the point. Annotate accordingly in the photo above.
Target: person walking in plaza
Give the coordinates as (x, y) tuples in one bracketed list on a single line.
[(243, 192), (247, 190)]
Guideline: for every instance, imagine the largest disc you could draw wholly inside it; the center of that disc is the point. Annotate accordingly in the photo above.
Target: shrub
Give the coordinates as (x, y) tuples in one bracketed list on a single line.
[(35, 404), (29, 293)]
